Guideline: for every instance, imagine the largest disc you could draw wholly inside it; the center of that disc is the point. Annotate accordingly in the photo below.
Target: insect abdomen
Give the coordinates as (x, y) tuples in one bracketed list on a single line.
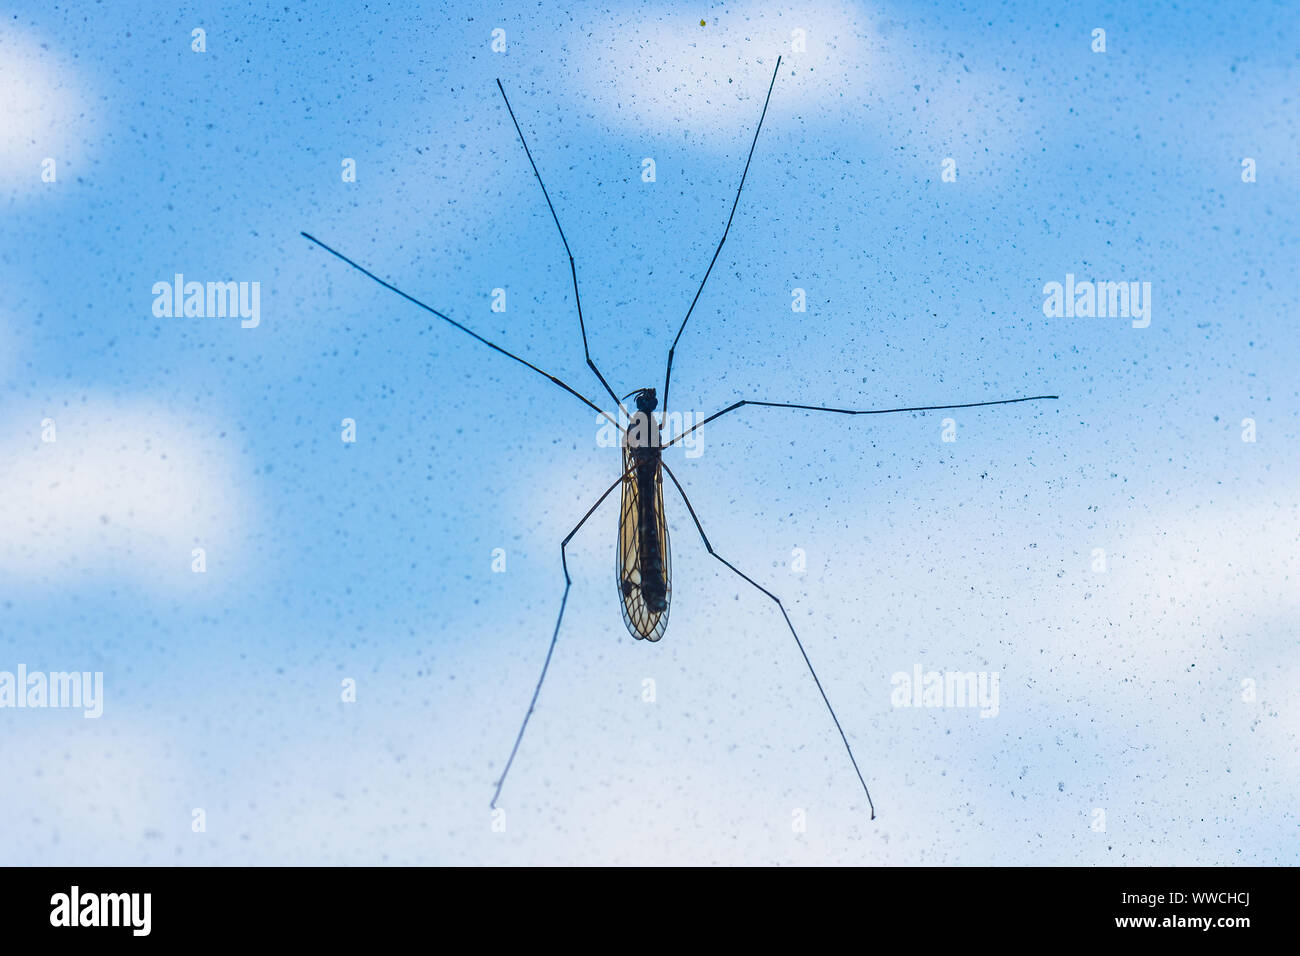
[(652, 563)]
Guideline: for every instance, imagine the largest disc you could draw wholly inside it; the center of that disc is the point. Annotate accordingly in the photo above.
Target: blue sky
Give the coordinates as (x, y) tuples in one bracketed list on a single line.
[(1120, 690)]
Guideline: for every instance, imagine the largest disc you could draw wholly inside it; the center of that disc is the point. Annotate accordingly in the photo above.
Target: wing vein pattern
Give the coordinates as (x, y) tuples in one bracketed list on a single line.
[(637, 552)]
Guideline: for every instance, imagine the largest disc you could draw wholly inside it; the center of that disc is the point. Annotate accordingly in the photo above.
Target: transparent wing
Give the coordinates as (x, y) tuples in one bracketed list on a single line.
[(642, 623)]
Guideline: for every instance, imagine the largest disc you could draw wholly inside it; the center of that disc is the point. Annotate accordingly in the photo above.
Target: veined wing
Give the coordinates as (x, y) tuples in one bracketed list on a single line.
[(636, 554)]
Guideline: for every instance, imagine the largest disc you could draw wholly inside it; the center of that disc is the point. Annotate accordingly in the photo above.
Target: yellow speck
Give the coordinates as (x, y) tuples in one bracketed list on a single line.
[(701, 23)]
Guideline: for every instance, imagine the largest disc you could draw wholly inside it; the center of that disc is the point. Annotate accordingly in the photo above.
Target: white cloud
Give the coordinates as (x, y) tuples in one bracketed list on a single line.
[(123, 492), (857, 67), (94, 792), (656, 72), (1205, 582), (43, 113)]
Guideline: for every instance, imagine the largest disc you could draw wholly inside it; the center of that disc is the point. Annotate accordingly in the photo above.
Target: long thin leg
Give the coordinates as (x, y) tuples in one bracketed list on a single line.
[(555, 636), (851, 411), (428, 308), (709, 547), (573, 270), (669, 373)]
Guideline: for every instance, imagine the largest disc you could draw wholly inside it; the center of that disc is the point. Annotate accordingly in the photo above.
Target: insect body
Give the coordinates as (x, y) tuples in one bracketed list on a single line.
[(643, 561)]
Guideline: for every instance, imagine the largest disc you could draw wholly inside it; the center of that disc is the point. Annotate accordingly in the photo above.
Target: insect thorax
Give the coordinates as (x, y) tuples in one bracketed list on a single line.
[(642, 435)]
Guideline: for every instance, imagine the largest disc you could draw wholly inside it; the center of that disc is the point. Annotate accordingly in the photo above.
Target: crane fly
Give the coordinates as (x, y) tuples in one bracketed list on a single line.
[(642, 562)]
